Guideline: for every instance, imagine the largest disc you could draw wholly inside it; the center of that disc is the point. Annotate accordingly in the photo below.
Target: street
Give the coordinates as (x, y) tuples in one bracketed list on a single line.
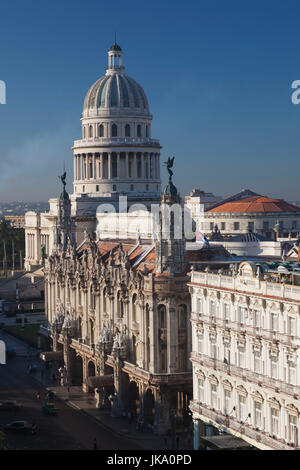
[(69, 430)]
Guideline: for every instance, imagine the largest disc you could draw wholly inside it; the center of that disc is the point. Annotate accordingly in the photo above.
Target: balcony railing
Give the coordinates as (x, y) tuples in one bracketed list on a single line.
[(245, 430), (252, 286), (245, 374)]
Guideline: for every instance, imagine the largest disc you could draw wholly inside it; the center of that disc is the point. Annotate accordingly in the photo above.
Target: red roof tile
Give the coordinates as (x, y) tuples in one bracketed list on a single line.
[(256, 204)]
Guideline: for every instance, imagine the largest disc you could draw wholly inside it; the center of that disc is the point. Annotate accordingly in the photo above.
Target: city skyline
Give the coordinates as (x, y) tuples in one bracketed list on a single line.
[(220, 92)]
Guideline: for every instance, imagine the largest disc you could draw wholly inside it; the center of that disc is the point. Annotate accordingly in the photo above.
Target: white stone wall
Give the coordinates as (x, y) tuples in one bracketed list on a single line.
[(247, 344)]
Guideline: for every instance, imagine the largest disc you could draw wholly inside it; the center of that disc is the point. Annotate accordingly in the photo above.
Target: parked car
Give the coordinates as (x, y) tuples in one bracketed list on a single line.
[(8, 405), (49, 409), (21, 426)]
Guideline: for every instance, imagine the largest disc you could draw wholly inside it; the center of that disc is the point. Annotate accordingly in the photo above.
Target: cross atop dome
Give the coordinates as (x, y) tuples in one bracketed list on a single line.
[(115, 55)]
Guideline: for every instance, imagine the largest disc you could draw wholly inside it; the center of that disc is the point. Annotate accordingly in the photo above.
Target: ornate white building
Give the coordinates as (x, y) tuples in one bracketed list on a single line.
[(115, 156), (245, 356)]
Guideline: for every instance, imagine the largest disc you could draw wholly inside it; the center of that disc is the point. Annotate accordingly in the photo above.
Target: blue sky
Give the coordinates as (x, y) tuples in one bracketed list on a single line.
[(217, 75)]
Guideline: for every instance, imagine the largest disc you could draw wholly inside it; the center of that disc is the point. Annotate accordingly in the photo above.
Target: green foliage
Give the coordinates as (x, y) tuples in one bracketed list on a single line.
[(9, 236)]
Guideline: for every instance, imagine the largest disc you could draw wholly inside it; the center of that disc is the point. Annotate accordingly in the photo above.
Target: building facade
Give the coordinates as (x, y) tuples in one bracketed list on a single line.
[(271, 218), (118, 320), (245, 356)]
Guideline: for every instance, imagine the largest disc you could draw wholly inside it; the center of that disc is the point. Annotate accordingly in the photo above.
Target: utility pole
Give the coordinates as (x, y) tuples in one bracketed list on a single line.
[(4, 259), (13, 256)]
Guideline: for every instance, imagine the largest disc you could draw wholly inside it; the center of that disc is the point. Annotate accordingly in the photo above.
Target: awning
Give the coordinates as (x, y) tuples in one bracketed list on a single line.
[(52, 355), (225, 442), (100, 381)]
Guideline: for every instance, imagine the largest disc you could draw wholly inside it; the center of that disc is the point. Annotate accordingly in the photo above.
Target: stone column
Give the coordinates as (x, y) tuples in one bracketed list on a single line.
[(86, 166), (94, 166), (134, 173), (153, 340), (126, 165), (109, 166), (142, 166), (118, 165), (101, 166)]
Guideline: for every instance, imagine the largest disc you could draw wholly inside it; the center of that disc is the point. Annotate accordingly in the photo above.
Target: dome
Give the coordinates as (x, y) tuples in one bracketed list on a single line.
[(116, 90)]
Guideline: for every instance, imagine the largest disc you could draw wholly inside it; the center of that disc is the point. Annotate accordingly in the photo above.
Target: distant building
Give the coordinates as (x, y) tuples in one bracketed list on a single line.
[(265, 216), (16, 221), (197, 202)]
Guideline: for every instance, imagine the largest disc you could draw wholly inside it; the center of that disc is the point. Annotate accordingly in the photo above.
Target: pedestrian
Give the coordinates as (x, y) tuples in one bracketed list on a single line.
[(95, 447)]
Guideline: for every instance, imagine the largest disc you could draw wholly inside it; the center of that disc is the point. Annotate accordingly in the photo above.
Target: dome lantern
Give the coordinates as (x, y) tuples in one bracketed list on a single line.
[(115, 57)]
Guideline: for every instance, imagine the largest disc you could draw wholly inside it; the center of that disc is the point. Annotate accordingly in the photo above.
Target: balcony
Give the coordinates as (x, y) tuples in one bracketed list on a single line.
[(232, 425), (251, 286), (117, 141), (246, 374)]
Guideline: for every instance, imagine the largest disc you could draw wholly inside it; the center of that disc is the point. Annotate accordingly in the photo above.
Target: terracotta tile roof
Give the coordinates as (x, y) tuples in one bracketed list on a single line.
[(256, 204)]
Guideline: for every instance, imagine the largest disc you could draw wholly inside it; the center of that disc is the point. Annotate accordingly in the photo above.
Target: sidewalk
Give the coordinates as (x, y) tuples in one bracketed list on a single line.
[(86, 403)]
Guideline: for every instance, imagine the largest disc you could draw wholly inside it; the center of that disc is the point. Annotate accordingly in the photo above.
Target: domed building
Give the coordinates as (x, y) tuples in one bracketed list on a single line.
[(116, 156)]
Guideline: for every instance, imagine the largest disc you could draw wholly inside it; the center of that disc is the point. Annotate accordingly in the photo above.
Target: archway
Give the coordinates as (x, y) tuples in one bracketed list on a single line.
[(134, 400), (149, 405), (91, 369), (77, 375)]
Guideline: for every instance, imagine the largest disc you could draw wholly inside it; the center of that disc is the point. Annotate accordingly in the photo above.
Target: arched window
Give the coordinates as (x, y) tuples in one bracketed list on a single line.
[(162, 335), (127, 130), (114, 130), (101, 130), (91, 131), (138, 130)]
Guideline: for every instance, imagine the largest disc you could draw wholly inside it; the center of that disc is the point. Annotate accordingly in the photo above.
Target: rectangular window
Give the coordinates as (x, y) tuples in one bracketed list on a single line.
[(200, 344), (201, 390), (256, 318), (213, 350), (236, 226), (241, 315), (214, 396), (294, 224), (199, 305), (226, 312), (291, 326), (274, 369), (251, 226), (227, 396), (293, 430), (257, 414), (241, 358), (242, 408), (274, 321), (266, 225), (291, 378), (212, 308), (274, 421), (257, 364), (223, 225), (211, 225)]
